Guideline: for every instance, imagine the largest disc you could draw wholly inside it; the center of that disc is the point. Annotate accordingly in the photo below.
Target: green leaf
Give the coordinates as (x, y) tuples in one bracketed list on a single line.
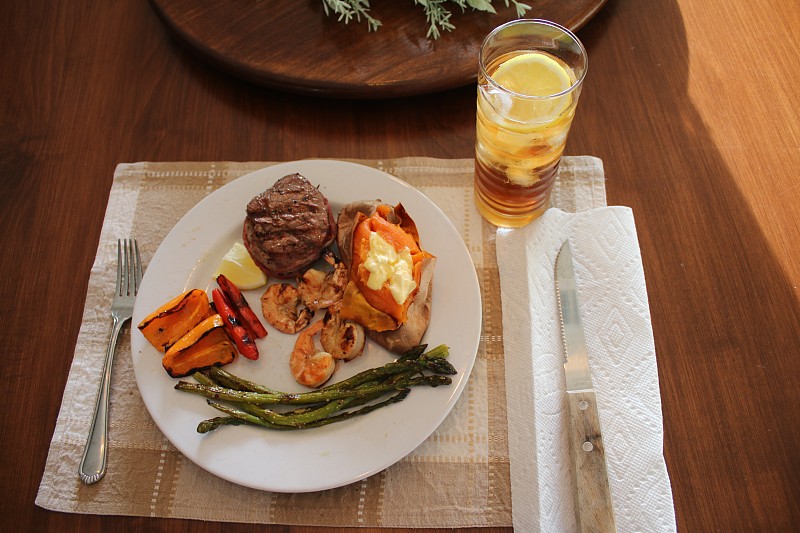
[(481, 5), (436, 14)]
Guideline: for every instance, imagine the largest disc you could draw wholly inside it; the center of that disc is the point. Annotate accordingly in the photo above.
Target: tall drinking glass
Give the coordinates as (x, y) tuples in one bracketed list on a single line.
[(531, 73)]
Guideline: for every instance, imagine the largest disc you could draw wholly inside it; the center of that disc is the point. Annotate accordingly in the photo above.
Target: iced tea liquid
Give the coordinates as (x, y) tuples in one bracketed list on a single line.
[(520, 138)]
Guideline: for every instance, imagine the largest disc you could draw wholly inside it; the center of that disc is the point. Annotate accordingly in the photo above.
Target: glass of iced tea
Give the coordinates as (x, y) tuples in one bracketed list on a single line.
[(530, 77)]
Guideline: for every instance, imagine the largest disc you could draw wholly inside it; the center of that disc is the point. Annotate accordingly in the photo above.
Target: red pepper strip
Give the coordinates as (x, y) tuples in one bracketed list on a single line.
[(244, 342), (249, 318)]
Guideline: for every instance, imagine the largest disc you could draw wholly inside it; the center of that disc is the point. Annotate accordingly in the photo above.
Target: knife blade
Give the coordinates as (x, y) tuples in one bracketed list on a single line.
[(591, 492)]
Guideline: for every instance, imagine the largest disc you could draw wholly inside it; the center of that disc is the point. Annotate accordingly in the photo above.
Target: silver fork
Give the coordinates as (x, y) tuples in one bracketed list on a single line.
[(129, 277)]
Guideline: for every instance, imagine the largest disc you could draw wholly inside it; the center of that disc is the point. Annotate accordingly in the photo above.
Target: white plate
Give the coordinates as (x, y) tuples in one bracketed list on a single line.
[(329, 456)]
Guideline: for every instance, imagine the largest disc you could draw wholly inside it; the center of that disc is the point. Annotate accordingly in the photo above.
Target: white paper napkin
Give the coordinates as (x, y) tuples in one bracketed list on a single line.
[(616, 317)]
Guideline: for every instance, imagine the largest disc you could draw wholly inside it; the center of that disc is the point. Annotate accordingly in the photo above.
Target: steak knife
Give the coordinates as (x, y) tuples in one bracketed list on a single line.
[(592, 495)]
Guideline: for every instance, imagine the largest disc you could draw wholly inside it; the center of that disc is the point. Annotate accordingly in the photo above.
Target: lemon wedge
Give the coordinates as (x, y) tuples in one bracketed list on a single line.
[(540, 76), (240, 269)]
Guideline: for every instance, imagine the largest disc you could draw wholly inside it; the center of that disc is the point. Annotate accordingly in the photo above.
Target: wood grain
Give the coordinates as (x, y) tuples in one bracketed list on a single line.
[(271, 43), (691, 104), (594, 511)]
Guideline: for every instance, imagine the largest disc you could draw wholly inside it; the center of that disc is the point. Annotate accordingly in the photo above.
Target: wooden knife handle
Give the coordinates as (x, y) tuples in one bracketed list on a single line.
[(593, 510)]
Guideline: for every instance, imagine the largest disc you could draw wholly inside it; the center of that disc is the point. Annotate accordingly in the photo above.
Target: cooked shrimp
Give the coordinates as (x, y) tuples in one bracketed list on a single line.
[(320, 290), (281, 306), (341, 338), (310, 367)]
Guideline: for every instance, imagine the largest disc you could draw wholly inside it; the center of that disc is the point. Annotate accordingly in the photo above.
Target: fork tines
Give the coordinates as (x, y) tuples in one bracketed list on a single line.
[(129, 267)]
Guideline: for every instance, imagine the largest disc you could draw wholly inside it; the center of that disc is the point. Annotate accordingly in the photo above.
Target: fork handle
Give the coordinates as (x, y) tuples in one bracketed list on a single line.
[(93, 463)]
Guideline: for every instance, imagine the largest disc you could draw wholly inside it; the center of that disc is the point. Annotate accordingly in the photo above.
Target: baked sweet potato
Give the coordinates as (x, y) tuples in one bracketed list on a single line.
[(398, 326), (167, 324)]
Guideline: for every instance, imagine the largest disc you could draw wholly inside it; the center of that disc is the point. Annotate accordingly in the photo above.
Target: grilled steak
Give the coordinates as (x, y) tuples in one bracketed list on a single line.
[(288, 226)]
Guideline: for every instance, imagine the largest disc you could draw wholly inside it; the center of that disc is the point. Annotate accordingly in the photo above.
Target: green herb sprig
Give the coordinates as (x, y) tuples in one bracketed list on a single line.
[(437, 12)]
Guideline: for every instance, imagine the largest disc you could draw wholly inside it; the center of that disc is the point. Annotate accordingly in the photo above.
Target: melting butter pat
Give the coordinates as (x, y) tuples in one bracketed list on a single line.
[(388, 266)]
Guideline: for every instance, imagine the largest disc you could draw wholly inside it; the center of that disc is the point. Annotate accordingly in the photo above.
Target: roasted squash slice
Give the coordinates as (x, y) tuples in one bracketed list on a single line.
[(205, 345), (167, 324)]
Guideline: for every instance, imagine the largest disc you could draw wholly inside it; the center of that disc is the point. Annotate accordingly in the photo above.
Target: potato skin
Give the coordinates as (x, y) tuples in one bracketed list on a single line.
[(346, 222), (410, 333)]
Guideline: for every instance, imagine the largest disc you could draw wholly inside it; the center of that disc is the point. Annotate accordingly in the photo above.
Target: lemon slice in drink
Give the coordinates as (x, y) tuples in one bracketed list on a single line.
[(539, 75), (240, 269)]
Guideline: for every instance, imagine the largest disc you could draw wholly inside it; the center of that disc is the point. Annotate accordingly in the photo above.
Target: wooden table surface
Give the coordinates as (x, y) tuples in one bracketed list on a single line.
[(691, 104)]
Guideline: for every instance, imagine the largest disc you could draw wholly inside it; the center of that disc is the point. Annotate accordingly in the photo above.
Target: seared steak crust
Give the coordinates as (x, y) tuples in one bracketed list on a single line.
[(288, 226)]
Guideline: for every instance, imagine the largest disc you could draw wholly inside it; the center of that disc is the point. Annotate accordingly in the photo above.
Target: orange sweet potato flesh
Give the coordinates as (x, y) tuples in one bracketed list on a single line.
[(167, 324), (204, 346), (381, 299), (377, 310), (356, 308)]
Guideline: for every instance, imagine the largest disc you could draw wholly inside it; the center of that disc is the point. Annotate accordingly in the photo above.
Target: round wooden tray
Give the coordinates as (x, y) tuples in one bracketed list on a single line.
[(292, 45)]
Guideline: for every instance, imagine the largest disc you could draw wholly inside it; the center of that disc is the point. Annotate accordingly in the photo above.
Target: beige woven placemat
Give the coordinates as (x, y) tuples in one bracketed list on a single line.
[(459, 477)]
